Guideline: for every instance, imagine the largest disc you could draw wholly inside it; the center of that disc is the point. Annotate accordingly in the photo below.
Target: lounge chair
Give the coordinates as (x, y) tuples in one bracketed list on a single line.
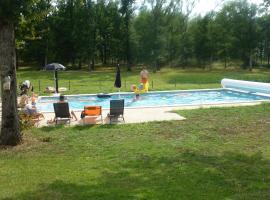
[(62, 113), (92, 112), (49, 89), (116, 109)]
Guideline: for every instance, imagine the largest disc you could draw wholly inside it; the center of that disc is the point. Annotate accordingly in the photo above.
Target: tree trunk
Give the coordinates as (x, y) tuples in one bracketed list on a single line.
[(105, 54), (45, 60), (10, 130), (80, 64), (250, 63), (17, 59), (93, 63), (89, 65), (128, 54)]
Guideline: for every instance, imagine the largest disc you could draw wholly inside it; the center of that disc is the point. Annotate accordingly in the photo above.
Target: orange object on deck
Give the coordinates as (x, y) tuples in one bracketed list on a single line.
[(92, 110)]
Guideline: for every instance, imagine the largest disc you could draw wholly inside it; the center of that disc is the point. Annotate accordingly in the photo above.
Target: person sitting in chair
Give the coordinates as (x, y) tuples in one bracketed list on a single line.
[(62, 100), (23, 101), (31, 110)]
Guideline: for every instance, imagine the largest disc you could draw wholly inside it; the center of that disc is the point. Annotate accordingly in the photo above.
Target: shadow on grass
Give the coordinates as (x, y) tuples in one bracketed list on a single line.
[(47, 129), (84, 127), (90, 126), (189, 175), (51, 128)]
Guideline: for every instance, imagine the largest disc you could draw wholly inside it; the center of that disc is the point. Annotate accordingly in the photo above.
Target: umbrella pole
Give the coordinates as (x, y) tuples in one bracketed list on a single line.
[(56, 80)]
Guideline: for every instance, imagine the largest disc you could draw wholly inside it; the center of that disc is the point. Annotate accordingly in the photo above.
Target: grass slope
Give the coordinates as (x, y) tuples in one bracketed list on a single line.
[(83, 82), (218, 153)]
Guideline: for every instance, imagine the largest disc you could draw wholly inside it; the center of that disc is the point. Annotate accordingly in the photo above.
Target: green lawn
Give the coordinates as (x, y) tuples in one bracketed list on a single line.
[(218, 153), (83, 82)]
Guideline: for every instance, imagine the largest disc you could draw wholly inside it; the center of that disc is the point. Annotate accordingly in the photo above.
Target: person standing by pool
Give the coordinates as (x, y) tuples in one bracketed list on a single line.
[(25, 87), (144, 84)]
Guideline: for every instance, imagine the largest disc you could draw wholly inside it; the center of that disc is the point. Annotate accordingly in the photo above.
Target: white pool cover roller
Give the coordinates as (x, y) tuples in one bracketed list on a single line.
[(249, 86)]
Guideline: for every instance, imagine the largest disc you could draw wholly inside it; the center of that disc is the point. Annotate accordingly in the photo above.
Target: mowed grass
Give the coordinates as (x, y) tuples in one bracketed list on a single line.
[(83, 82), (218, 153)]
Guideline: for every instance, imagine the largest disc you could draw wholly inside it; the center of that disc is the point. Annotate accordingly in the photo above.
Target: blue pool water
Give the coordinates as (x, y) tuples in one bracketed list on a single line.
[(155, 99)]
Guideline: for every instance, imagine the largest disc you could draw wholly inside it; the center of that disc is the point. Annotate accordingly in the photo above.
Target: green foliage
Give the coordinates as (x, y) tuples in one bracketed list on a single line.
[(11, 9), (26, 121), (79, 33), (266, 3)]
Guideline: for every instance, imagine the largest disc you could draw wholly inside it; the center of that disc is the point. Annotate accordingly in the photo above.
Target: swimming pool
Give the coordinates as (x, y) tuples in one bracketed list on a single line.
[(157, 99)]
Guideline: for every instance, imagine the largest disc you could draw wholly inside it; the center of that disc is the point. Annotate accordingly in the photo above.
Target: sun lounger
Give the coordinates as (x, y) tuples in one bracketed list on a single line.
[(116, 110), (50, 89), (62, 113), (92, 112)]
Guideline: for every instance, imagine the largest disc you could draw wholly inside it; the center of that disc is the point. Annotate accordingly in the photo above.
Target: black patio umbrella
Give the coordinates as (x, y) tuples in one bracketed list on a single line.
[(55, 67), (117, 82)]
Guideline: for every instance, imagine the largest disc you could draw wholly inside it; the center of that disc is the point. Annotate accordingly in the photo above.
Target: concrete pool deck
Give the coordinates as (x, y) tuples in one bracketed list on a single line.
[(131, 116), (144, 115)]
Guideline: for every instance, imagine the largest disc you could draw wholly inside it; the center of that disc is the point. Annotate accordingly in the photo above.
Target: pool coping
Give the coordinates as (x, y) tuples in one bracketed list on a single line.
[(181, 106)]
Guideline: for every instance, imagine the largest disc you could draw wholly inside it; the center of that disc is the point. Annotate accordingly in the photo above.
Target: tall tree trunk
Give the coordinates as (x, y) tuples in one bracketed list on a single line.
[(105, 54), (10, 130), (250, 63), (89, 65), (80, 64), (46, 52), (93, 63), (17, 59), (128, 54), (45, 60)]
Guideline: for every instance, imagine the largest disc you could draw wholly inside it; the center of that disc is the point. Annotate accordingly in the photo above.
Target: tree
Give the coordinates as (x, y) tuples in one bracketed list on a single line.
[(267, 3), (185, 9), (157, 29), (9, 12), (225, 36), (241, 20), (265, 38), (201, 40), (127, 10), (33, 33)]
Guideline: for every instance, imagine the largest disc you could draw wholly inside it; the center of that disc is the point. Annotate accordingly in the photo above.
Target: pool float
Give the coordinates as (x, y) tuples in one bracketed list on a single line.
[(144, 85), (103, 95)]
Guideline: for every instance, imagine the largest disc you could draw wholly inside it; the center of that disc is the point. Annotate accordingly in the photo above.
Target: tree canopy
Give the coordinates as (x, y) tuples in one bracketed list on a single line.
[(161, 32)]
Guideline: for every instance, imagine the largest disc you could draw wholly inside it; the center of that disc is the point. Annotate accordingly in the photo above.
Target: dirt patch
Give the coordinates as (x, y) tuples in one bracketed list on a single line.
[(27, 143)]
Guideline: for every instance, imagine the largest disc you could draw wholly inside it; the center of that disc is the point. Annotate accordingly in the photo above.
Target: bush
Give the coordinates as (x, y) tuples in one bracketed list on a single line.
[(26, 121)]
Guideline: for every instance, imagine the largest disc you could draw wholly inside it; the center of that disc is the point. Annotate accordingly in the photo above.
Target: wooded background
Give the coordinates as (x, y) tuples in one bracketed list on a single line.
[(80, 33)]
